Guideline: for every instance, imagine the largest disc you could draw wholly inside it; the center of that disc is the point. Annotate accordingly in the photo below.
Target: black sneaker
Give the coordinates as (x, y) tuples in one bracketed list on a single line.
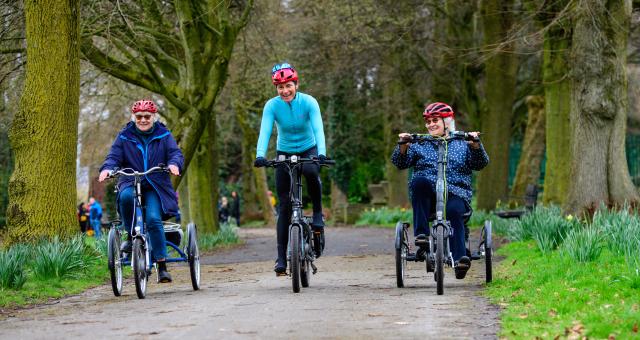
[(318, 241), (421, 240), (280, 268), (461, 267), (126, 246), (163, 274)]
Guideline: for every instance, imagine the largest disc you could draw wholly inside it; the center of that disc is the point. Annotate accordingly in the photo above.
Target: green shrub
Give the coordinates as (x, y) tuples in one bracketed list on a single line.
[(384, 216), (12, 268), (227, 234), (583, 244), (57, 259)]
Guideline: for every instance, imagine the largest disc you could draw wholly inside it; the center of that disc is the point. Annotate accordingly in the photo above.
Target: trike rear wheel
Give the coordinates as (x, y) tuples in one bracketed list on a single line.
[(402, 250), (294, 240), (439, 274), (194, 255)]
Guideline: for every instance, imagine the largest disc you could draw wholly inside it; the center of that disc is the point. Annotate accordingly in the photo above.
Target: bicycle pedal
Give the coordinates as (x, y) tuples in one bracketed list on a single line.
[(315, 269), (282, 274), (476, 255)]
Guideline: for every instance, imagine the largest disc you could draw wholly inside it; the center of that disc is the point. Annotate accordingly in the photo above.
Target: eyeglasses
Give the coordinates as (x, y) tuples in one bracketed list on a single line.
[(431, 120), (145, 117)]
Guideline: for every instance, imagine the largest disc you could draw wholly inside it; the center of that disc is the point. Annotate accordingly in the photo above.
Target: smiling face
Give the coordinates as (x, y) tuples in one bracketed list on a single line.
[(144, 120), (435, 125), (287, 91)]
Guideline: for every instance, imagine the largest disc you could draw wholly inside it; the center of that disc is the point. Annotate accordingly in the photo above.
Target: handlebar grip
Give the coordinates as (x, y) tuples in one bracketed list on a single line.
[(328, 162)]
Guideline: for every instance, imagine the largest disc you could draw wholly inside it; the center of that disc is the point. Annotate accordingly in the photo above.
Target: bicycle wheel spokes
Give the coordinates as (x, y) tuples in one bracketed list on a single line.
[(194, 256)]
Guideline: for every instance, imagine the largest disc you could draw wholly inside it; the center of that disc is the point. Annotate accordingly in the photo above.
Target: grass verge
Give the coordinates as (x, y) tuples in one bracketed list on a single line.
[(550, 295)]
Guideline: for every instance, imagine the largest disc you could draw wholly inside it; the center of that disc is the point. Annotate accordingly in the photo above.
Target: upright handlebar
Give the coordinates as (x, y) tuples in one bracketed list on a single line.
[(418, 138), (299, 160), (128, 172)]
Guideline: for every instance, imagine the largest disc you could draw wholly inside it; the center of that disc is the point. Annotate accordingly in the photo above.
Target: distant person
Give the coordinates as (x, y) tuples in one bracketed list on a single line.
[(95, 217), (142, 144), (272, 202), (83, 217), (223, 210), (235, 207)]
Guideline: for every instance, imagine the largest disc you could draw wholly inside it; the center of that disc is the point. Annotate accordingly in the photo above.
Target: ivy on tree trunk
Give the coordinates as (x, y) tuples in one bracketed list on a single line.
[(42, 188)]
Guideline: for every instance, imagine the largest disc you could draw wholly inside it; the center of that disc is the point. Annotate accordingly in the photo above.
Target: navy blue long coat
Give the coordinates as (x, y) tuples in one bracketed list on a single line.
[(130, 151)]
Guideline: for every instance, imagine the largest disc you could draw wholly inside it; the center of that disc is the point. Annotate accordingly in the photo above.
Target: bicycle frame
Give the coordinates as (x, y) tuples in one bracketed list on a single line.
[(441, 202), (138, 227), (297, 218)]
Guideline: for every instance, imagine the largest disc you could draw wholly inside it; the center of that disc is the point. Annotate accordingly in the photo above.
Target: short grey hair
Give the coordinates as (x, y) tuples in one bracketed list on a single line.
[(449, 123)]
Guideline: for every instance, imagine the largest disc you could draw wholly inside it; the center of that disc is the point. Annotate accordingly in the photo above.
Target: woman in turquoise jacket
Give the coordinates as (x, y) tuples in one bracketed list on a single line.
[(300, 132)]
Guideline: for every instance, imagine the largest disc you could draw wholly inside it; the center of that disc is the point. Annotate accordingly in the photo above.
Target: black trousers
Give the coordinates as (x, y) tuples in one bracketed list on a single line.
[(311, 173)]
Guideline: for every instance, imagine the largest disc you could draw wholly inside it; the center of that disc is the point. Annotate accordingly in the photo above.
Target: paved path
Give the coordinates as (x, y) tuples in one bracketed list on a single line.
[(353, 296)]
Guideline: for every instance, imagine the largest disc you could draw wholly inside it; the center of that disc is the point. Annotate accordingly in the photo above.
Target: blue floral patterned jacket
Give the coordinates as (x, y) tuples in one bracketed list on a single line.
[(462, 160)]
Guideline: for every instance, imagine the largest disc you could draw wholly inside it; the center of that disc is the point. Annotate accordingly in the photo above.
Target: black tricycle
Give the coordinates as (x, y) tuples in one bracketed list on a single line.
[(436, 253)]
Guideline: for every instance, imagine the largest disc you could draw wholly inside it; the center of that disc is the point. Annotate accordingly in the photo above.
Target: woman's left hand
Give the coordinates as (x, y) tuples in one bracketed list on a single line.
[(174, 170), (474, 144)]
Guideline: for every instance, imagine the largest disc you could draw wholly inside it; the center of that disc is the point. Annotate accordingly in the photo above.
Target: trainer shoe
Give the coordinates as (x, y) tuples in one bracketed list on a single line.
[(461, 267), (280, 268), (318, 240), (163, 274)]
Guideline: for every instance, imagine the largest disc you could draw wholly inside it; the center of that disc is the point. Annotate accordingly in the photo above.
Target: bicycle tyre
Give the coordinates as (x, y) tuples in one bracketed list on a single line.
[(294, 240), (439, 260), (193, 255), (488, 244), (401, 254), (139, 260), (114, 261)]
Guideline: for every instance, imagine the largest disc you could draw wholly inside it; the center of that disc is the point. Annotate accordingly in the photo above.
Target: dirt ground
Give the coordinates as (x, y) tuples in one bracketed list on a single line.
[(353, 296)]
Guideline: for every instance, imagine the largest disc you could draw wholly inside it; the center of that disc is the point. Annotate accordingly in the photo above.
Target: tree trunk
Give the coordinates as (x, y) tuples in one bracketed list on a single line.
[(214, 157), (528, 171), (201, 205), (557, 91), (183, 199), (500, 84), (257, 176), (599, 171), (250, 194), (42, 189)]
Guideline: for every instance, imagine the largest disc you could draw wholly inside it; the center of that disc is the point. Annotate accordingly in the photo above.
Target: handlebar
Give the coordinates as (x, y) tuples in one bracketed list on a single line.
[(299, 160), (420, 138), (128, 172)]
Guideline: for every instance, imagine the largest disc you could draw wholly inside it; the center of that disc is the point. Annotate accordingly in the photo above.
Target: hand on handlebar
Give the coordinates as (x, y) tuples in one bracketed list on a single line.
[(173, 169), (475, 142), (104, 174), (404, 138), (260, 162)]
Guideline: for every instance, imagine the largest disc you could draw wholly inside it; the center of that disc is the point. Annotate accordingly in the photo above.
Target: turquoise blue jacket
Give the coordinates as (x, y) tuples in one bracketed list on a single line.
[(299, 124)]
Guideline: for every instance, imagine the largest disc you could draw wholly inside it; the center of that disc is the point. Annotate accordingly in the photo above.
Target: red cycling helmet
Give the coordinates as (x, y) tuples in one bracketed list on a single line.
[(282, 73), (437, 109), (144, 106)]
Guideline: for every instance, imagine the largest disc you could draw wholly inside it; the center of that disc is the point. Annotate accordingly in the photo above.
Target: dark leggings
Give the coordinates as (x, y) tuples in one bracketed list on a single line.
[(283, 185), (423, 200)]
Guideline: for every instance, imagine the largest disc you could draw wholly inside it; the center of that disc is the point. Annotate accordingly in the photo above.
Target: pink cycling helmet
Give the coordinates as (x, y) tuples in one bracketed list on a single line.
[(282, 73), (437, 109), (144, 106)]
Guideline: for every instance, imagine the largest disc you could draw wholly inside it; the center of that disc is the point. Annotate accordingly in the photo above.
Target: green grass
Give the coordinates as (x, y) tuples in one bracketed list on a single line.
[(55, 269), (385, 217), (31, 274), (546, 295), (226, 235)]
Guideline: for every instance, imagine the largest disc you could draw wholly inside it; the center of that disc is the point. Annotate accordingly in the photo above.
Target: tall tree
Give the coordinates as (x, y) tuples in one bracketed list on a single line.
[(555, 21), (499, 88), (599, 171), (44, 131)]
